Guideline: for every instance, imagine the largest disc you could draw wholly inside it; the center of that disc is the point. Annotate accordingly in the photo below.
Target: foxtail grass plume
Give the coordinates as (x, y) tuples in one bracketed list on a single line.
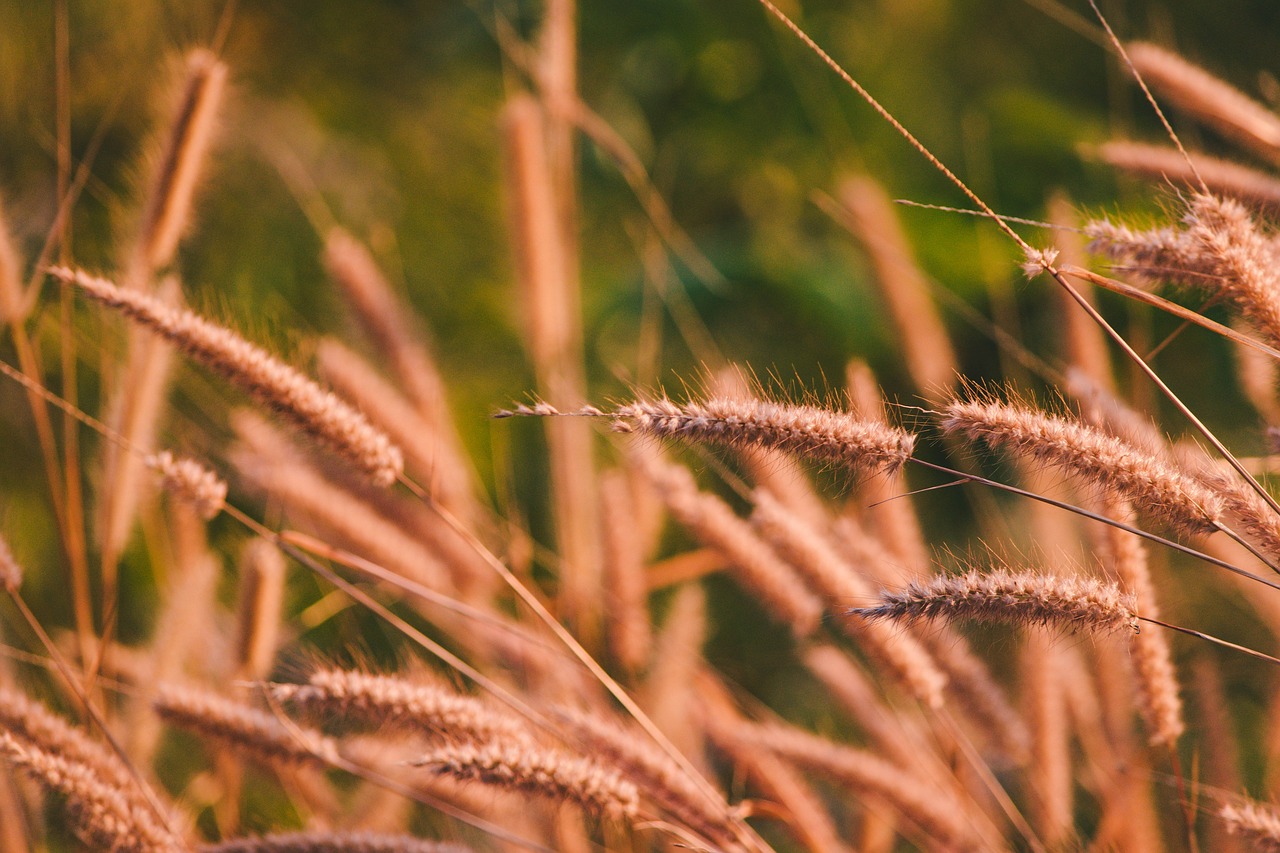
[(1220, 249), (756, 566), (190, 481), (242, 727), (388, 702), (99, 812), (538, 771), (927, 349), (809, 432), (272, 382), (1257, 824), (177, 174), (820, 435), (1019, 598), (1153, 485)]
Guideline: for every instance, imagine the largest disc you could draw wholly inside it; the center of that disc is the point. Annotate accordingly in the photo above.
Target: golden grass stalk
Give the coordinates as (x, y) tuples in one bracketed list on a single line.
[(1209, 99), (820, 435), (937, 813), (754, 563), (1219, 746), (667, 695), (895, 521), (100, 811), (835, 581), (628, 627), (136, 412), (1105, 410), (974, 688), (287, 392), (783, 475), (528, 653), (541, 199), (1130, 819), (189, 481), (387, 702), (173, 186), (385, 318), (1020, 598), (12, 293), (387, 758), (870, 557), (538, 771), (1163, 164), (1256, 823), (1157, 680), (65, 759), (542, 256), (262, 579), (184, 625), (930, 358), (15, 835), (144, 379), (430, 532), (1154, 486), (658, 778), (1044, 667), (333, 841), (1239, 257), (807, 816), (1052, 786), (1084, 344), (243, 728)]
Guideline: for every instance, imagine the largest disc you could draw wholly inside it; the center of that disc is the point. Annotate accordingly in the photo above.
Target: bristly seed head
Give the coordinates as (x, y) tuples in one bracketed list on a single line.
[(190, 481), (1028, 598), (809, 432), (548, 773), (287, 391), (1153, 485), (1038, 260)]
